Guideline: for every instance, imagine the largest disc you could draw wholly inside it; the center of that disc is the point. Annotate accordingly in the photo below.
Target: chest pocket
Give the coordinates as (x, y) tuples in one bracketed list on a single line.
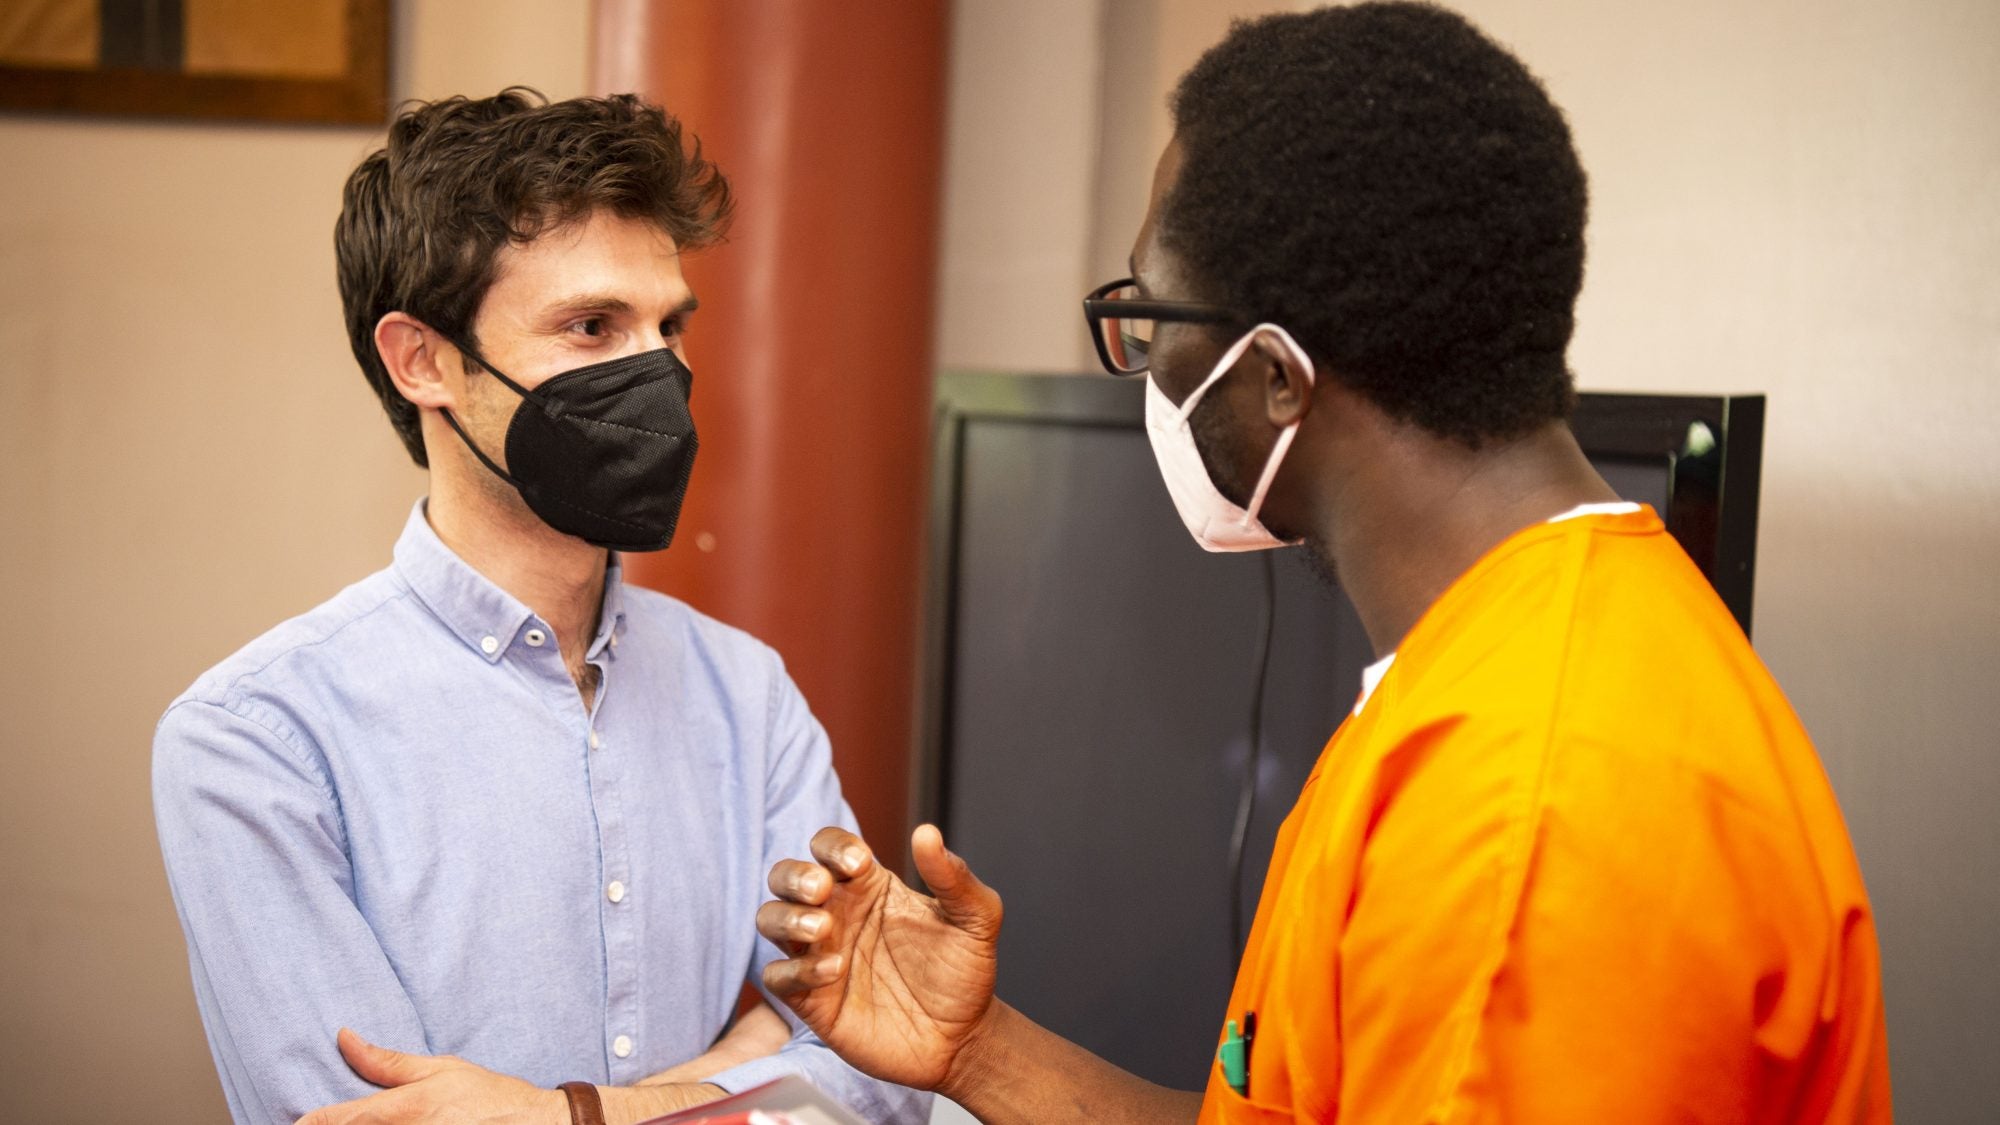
[(1222, 1105)]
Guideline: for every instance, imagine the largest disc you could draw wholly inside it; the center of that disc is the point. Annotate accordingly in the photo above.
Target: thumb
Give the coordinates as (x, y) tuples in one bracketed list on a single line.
[(967, 903), (383, 1066)]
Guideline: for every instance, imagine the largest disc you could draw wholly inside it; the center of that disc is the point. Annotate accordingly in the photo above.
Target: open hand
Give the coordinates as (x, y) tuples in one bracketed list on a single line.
[(896, 982)]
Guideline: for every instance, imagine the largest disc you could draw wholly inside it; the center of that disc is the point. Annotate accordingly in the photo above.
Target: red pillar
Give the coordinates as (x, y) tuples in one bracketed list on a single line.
[(811, 352)]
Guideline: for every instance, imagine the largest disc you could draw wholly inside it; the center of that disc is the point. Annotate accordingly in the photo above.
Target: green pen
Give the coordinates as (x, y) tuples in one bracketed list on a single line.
[(1234, 1054)]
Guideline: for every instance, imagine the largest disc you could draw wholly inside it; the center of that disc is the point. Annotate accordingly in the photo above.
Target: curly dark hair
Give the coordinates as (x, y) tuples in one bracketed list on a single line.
[(1399, 192), (423, 217)]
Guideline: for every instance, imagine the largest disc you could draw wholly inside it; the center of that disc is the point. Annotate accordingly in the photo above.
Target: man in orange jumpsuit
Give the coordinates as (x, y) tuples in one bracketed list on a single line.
[(1572, 858)]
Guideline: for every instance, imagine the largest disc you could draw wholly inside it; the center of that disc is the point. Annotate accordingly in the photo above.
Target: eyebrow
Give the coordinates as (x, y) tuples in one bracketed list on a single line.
[(605, 303)]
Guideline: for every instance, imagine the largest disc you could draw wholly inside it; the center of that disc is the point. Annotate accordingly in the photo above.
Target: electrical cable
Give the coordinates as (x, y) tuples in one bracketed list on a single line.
[(1246, 801)]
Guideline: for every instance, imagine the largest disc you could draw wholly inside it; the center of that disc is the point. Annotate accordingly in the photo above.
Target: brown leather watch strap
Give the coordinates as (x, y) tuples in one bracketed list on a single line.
[(585, 1107)]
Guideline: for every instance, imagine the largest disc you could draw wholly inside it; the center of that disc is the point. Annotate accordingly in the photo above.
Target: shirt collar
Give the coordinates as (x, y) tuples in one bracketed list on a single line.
[(1609, 508), (1371, 678), (487, 618), (610, 618)]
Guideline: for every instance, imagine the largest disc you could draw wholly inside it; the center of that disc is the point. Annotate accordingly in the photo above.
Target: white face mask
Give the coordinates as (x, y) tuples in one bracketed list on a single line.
[(1215, 523)]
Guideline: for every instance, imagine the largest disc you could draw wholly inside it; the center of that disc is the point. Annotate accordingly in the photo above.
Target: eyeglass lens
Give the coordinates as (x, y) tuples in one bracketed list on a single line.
[(1126, 340)]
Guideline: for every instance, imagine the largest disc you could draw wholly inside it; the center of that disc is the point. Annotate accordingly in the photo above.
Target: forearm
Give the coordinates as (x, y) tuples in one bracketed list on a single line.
[(760, 1046), (629, 1105), (757, 1033), (1019, 1072)]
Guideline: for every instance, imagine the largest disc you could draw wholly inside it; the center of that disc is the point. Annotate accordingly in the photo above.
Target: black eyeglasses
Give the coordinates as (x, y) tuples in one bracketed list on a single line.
[(1121, 323)]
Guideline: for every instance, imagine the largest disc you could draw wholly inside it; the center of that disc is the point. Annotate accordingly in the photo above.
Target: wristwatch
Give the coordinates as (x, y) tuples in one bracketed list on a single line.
[(585, 1107)]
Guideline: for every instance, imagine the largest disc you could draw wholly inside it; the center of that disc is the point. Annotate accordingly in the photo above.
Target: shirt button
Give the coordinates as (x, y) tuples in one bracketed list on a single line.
[(489, 645), (595, 741), (535, 637), (615, 892), (622, 1046)]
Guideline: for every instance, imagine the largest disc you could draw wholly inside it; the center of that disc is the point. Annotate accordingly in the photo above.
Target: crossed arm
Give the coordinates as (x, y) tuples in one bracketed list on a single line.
[(255, 854), (900, 984), (426, 1088)]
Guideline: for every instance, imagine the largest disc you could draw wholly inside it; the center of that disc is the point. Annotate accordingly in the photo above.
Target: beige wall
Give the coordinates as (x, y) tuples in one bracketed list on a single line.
[(1018, 170), (187, 455), (1799, 198), (1057, 112), (1790, 197)]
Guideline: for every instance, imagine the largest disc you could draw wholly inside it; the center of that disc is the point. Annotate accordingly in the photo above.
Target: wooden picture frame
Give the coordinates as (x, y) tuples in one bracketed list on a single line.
[(320, 61)]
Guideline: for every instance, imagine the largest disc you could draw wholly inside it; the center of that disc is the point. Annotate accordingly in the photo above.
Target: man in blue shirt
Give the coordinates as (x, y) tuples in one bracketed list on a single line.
[(490, 802)]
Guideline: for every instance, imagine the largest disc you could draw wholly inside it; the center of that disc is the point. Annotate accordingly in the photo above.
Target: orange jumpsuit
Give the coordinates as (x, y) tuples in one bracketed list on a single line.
[(1573, 861)]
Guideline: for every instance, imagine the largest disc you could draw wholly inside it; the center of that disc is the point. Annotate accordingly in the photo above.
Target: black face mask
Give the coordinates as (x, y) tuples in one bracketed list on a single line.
[(602, 452)]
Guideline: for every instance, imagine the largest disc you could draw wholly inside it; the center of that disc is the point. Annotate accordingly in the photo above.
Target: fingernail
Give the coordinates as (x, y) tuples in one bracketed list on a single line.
[(813, 925), (828, 965), (850, 858)]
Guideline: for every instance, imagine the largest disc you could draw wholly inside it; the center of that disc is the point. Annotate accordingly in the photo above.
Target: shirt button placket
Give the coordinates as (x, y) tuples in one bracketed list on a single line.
[(620, 923)]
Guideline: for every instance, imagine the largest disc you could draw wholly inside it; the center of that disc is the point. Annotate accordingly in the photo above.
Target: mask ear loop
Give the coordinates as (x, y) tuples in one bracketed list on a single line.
[(1277, 458), (467, 438), (476, 451), (1222, 366), (499, 374), (1284, 442)]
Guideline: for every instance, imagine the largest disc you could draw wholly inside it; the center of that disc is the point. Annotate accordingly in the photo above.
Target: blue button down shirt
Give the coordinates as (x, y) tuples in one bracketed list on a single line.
[(396, 814)]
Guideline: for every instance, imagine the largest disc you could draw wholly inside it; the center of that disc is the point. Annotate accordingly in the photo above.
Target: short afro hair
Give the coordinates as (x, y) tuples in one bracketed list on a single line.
[(424, 217), (1400, 193)]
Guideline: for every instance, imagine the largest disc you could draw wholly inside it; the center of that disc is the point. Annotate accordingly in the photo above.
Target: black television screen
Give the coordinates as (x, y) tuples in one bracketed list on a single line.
[(1089, 686)]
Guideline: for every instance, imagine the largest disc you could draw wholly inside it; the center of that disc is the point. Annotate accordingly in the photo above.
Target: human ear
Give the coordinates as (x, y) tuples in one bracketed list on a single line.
[(1288, 380), (413, 354)]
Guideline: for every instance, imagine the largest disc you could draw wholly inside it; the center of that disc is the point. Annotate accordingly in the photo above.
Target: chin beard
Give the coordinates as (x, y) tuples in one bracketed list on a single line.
[(1319, 560)]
